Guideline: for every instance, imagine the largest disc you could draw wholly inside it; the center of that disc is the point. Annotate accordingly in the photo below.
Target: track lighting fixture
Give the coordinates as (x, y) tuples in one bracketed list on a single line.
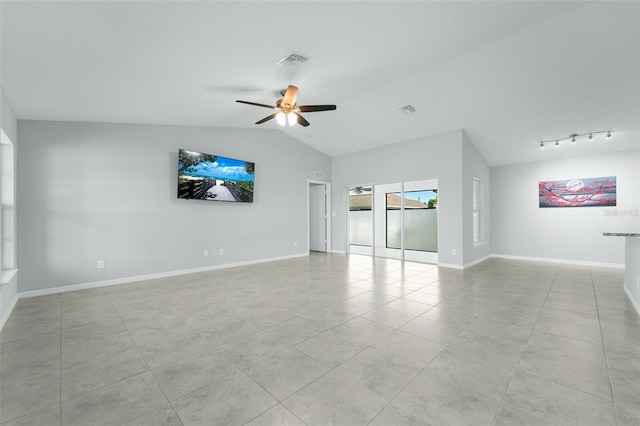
[(572, 137)]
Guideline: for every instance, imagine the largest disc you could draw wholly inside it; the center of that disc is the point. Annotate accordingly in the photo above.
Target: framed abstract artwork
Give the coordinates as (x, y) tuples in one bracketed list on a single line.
[(583, 192)]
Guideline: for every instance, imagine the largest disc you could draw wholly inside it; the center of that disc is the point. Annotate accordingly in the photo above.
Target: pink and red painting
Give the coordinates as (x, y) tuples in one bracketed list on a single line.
[(586, 192)]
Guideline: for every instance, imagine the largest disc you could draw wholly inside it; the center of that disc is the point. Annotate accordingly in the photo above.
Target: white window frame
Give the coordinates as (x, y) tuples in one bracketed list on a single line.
[(478, 213), (7, 203)]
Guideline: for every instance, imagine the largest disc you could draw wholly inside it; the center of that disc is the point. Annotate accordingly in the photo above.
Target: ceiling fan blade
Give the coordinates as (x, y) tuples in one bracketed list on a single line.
[(256, 104), (267, 118), (313, 108), (301, 120), (290, 95)]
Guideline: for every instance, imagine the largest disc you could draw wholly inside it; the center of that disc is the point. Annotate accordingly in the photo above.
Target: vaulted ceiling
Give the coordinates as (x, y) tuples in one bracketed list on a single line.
[(508, 73)]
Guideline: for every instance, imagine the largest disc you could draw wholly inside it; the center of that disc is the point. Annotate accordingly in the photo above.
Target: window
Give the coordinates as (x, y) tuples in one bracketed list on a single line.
[(7, 208), (478, 213)]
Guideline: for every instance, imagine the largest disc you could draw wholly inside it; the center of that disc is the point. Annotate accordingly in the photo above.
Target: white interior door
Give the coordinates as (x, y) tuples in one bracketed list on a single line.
[(317, 217)]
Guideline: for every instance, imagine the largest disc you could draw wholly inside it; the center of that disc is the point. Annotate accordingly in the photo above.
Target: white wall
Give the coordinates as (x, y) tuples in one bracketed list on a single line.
[(474, 166), (438, 156), (521, 228), (90, 192)]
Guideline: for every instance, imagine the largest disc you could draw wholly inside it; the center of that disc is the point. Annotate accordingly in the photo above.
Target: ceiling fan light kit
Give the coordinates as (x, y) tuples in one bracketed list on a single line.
[(287, 109), (572, 137)]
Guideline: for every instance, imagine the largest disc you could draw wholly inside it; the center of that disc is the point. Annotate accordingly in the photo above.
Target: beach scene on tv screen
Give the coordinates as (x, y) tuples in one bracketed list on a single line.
[(214, 178)]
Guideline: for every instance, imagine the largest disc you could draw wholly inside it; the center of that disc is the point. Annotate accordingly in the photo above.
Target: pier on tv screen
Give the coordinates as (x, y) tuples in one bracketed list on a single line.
[(214, 178)]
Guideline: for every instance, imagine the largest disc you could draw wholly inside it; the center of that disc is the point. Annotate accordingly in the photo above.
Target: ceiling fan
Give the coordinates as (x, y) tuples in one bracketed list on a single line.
[(287, 110), (360, 189)]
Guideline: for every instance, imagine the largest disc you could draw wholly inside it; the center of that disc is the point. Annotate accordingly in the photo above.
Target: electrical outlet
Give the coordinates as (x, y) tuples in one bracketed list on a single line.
[(295, 244), (221, 251), (453, 252), (206, 253), (100, 264)]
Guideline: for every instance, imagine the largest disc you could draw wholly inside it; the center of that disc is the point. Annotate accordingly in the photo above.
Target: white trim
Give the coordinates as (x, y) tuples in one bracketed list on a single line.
[(475, 262), (7, 314), (450, 265), (565, 261), (125, 280), (634, 301), (7, 275), (328, 213), (338, 251), (477, 206), (8, 288)]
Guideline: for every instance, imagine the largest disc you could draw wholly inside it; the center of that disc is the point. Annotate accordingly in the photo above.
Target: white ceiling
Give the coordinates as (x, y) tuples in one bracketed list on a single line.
[(509, 73)]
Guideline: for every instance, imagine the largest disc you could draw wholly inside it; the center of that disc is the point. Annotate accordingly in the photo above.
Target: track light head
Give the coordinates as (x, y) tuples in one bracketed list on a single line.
[(609, 134), (541, 145), (557, 144)]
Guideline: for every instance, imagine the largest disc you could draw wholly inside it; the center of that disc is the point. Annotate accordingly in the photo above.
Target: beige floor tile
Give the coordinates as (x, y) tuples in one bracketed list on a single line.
[(232, 401), (334, 399), (338, 339)]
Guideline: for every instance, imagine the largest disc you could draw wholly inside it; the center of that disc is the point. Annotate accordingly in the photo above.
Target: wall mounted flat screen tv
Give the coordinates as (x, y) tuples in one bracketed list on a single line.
[(214, 178)]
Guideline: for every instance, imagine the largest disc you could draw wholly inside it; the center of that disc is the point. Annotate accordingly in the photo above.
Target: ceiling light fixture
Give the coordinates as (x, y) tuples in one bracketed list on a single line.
[(572, 137)]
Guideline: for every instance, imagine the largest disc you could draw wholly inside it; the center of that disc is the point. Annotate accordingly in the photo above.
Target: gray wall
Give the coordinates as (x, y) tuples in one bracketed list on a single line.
[(438, 156), (91, 192), (474, 166), (521, 228)]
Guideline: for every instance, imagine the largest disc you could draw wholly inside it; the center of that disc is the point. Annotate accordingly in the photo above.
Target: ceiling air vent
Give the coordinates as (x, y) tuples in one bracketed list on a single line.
[(293, 60), (407, 110)]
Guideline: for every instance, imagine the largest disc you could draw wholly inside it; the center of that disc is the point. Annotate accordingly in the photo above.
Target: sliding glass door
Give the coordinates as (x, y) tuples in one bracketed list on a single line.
[(361, 220), (397, 220), (420, 221)]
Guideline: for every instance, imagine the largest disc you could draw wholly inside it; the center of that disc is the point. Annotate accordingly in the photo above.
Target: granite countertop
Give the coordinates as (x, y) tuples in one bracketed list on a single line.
[(621, 234)]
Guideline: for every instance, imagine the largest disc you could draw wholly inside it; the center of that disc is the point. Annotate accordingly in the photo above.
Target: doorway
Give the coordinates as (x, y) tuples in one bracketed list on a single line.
[(319, 219)]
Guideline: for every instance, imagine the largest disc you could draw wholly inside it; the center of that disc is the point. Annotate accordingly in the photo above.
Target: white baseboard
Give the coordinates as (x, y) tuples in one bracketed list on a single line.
[(475, 262), (565, 261), (125, 280), (450, 265), (634, 301)]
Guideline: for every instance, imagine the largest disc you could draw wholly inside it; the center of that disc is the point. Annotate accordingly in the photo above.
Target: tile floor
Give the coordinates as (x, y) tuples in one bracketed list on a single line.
[(330, 339)]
